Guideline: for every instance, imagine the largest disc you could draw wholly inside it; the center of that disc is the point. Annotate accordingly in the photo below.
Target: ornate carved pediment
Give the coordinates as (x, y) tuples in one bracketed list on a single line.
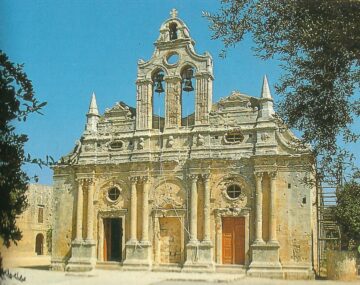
[(238, 101), (120, 111)]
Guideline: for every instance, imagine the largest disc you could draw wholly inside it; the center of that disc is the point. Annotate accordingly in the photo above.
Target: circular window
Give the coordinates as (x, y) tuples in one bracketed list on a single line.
[(233, 191), (113, 194), (172, 58)]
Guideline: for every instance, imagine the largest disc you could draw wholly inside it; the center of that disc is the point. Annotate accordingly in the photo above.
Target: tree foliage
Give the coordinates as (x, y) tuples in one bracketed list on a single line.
[(17, 102), (318, 45), (347, 213)]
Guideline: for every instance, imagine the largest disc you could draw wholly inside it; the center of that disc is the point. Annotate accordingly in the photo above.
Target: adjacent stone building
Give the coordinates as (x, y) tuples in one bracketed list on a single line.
[(222, 186), (35, 224)]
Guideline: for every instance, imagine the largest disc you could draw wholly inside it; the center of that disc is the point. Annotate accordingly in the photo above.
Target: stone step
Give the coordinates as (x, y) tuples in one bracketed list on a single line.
[(230, 268), (110, 265), (167, 268)]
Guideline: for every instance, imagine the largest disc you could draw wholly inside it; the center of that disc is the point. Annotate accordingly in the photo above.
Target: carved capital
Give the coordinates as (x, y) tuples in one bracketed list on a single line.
[(258, 175), (88, 181), (272, 174), (206, 177), (133, 179), (174, 79), (204, 75), (194, 177), (144, 179), (81, 181), (143, 81)]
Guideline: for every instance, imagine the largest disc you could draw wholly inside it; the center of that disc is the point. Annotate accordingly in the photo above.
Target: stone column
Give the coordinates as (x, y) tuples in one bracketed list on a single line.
[(144, 99), (203, 97), (173, 101), (206, 178), (193, 216), (258, 222), (79, 211), (272, 208), (133, 210), (145, 212), (90, 210)]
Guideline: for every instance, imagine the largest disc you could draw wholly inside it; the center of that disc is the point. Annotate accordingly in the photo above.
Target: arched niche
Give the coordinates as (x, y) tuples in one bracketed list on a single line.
[(39, 244), (169, 192)]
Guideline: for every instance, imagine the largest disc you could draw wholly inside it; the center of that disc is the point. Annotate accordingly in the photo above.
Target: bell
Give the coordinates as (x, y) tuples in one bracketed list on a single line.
[(158, 83), (188, 85), (159, 88), (187, 81)]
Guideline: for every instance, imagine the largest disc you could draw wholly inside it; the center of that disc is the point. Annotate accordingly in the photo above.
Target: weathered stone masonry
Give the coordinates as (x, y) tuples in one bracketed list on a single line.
[(221, 186)]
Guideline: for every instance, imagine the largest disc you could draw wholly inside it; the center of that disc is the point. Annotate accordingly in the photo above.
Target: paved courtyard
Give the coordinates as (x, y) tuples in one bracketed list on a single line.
[(40, 275)]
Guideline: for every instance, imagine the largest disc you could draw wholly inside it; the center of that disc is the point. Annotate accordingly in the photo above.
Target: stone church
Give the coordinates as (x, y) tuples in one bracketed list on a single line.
[(220, 188)]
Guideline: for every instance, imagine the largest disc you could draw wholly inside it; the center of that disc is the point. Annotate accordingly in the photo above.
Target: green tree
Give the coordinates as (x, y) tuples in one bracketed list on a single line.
[(347, 213), (17, 102), (318, 45)]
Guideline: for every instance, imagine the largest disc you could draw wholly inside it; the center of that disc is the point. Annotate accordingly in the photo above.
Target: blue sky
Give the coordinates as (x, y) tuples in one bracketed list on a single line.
[(72, 48)]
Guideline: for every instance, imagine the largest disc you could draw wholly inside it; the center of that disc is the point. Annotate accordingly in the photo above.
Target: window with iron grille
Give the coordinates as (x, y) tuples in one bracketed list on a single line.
[(233, 191), (234, 137), (113, 194)]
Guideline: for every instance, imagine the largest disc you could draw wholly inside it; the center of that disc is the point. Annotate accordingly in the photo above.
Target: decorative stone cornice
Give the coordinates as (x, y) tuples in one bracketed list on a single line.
[(143, 81), (205, 75), (175, 78)]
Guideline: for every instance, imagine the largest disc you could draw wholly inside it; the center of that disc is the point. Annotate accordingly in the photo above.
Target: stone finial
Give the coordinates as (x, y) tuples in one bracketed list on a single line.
[(93, 109), (173, 13), (92, 116), (265, 91), (266, 101)]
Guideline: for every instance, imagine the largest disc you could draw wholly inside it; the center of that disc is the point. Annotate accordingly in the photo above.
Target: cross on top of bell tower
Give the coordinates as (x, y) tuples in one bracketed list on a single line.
[(173, 13)]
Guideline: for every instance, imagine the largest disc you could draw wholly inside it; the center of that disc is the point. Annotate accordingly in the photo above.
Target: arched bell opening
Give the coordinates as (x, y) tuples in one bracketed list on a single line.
[(188, 96), (158, 99), (173, 30)]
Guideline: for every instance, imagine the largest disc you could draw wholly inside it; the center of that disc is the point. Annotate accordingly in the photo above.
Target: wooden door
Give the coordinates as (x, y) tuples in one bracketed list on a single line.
[(107, 239), (233, 241), (112, 239)]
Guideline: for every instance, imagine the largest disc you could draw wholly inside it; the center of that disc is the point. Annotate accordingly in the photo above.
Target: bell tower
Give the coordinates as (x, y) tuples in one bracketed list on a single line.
[(174, 68)]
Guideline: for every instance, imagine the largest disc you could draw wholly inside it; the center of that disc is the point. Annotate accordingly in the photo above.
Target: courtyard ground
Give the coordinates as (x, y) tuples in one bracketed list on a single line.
[(41, 275)]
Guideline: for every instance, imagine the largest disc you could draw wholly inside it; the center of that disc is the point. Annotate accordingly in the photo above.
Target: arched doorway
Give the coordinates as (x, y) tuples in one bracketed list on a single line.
[(39, 244)]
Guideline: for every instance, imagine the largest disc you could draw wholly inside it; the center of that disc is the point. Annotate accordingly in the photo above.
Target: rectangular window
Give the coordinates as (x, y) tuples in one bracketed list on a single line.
[(41, 215)]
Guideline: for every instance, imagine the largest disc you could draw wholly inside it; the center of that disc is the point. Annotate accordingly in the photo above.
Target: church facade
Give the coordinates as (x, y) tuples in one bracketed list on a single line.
[(220, 188)]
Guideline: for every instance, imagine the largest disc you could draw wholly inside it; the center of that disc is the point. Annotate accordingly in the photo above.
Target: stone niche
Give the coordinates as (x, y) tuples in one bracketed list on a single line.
[(168, 215)]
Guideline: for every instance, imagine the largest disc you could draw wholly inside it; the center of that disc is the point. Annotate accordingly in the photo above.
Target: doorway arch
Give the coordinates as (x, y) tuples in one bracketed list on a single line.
[(39, 244)]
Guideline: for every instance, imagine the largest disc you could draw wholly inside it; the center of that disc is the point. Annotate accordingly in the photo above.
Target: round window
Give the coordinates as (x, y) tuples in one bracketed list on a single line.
[(113, 194), (172, 58), (233, 191)]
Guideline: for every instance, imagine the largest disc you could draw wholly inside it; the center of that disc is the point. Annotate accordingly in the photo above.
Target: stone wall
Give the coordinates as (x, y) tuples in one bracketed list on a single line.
[(38, 196)]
